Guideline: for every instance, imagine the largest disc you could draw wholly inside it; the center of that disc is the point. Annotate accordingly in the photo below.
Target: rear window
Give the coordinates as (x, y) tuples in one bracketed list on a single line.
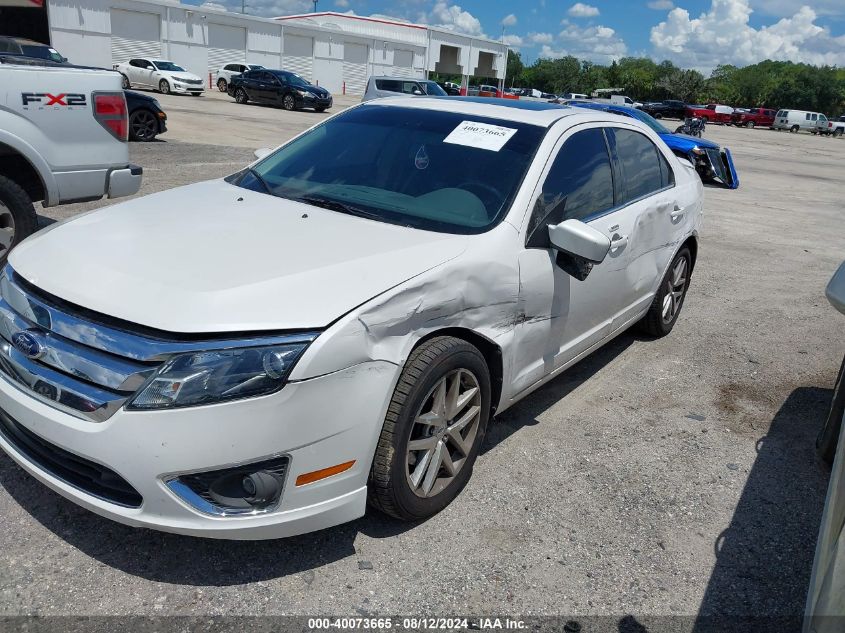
[(415, 167), (41, 52)]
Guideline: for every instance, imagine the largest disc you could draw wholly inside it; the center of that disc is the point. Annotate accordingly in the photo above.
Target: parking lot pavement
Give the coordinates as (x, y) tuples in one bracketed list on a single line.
[(672, 477)]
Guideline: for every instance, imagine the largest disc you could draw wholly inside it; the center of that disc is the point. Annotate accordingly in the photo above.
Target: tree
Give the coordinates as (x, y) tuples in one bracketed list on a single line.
[(685, 85), (515, 67)]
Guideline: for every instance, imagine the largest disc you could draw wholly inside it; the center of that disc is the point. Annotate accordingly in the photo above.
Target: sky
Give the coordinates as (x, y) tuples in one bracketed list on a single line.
[(692, 33)]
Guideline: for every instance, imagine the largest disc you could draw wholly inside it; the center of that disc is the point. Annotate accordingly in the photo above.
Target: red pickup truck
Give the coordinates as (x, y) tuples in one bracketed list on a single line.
[(755, 117), (711, 113)]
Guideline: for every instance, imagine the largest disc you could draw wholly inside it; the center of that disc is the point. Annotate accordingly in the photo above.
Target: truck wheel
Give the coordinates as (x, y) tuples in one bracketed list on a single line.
[(794, 129), (749, 124), (669, 299), (125, 82), (433, 430), (164, 87), (837, 132), (828, 437), (17, 216)]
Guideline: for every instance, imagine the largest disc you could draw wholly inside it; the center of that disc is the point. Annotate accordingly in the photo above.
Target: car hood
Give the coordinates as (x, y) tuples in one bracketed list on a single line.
[(214, 258), (685, 143), (180, 75)]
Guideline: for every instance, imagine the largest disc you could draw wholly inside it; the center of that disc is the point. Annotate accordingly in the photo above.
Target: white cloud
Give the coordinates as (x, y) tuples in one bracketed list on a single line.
[(509, 20), (581, 10), (341, 4), (723, 34), (514, 41), (661, 5), (541, 38), (595, 43), (788, 8), (454, 18), (270, 8)]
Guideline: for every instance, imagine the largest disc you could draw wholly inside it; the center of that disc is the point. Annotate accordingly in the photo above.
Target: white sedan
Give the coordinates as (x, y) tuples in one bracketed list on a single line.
[(227, 71), (161, 75), (337, 323)]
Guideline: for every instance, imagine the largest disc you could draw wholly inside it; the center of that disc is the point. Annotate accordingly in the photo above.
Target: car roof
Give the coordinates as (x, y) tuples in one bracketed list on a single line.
[(531, 112), (22, 40)]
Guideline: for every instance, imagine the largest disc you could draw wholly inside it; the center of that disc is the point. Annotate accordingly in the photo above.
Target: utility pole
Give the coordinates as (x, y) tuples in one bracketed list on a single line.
[(315, 5), (243, 6)]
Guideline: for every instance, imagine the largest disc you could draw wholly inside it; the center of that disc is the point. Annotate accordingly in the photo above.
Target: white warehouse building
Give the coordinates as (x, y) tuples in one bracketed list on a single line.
[(337, 51)]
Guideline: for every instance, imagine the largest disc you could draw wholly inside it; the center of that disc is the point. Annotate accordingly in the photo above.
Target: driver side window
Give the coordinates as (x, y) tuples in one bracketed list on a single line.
[(579, 185)]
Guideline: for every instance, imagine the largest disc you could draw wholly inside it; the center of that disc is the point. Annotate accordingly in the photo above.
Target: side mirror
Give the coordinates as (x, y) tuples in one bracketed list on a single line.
[(579, 247), (418, 92), (262, 152)]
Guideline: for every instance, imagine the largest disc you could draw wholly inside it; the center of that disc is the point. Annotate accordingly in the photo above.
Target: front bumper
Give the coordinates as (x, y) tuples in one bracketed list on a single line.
[(184, 89), (305, 421), (718, 165), (313, 101)]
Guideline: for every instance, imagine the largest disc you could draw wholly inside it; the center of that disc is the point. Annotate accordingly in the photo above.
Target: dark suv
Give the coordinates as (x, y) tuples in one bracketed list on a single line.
[(669, 109), (29, 48)]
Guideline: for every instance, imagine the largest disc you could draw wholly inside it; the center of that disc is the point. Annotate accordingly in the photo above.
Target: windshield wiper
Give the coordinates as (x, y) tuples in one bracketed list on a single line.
[(260, 179), (342, 207)]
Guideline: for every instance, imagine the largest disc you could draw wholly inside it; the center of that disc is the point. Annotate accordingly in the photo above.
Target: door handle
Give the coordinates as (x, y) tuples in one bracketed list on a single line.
[(618, 241), (677, 213)]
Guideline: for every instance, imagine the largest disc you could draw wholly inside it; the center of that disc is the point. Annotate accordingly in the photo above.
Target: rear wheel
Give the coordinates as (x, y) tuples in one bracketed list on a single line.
[(143, 126), (837, 132), (17, 216), (828, 437), (241, 96), (667, 303), (222, 86), (749, 124), (433, 430), (164, 87), (289, 103)]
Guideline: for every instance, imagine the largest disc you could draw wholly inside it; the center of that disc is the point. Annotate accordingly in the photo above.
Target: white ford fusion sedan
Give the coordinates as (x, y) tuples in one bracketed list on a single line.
[(260, 356)]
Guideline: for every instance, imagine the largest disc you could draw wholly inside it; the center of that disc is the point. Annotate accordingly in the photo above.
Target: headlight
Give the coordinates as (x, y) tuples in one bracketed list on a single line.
[(202, 378), (304, 93)]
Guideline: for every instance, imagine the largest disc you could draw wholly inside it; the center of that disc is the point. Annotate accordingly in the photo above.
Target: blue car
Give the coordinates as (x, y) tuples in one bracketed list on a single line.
[(712, 162)]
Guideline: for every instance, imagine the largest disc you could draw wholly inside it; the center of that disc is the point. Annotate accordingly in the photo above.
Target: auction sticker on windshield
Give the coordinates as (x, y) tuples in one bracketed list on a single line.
[(480, 135)]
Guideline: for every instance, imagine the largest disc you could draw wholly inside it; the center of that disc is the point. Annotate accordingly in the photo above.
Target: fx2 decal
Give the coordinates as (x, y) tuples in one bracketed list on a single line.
[(65, 99)]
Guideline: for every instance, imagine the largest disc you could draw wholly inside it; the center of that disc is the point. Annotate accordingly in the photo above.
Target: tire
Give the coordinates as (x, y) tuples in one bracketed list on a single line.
[(658, 116), (222, 86), (828, 438), (794, 129), (143, 125), (241, 96), (837, 132), (289, 103), (17, 216), (750, 125), (164, 87), (655, 322), (391, 487), (124, 82)]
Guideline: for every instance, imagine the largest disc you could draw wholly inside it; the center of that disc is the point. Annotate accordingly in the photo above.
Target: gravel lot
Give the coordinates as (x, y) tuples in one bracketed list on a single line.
[(670, 477)]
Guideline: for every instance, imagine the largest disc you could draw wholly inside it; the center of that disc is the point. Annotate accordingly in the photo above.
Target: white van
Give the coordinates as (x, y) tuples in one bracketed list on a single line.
[(797, 120)]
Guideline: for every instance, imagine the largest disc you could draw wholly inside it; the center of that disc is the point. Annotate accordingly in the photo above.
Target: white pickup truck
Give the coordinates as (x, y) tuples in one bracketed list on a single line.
[(63, 138)]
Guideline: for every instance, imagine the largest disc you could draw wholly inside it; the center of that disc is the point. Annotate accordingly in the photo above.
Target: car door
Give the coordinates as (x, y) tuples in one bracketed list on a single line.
[(134, 70), (562, 317), (146, 73), (658, 207), (251, 83)]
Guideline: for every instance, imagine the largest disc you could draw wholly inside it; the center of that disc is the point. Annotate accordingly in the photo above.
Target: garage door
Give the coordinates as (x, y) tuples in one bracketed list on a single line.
[(299, 55), (226, 45), (355, 57), (403, 63), (134, 34)]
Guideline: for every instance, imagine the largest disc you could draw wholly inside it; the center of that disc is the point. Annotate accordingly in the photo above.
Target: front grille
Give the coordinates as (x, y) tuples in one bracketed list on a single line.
[(83, 474), (193, 82)]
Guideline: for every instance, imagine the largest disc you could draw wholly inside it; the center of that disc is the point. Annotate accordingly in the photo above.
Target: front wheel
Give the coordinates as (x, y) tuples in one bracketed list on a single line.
[(828, 437), (17, 216), (749, 124), (124, 82), (667, 303), (241, 96), (143, 126), (222, 86), (794, 129), (289, 103), (164, 87), (433, 430)]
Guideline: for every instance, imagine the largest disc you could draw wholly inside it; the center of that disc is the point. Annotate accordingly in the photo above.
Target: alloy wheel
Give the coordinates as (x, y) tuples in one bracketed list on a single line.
[(221, 85), (164, 87), (143, 125), (7, 230), (443, 433), (240, 96), (675, 287), (288, 103)]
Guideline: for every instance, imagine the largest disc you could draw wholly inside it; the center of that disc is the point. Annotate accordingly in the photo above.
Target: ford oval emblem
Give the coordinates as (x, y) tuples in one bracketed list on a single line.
[(27, 344)]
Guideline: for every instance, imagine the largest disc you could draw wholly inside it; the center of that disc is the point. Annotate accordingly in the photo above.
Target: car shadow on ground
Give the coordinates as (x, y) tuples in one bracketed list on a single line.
[(765, 555), (171, 558)]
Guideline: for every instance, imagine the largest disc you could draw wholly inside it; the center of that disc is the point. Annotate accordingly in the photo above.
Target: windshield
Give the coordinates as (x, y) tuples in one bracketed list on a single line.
[(169, 66), (410, 166), (41, 52), (255, 67), (296, 80), (433, 90), (653, 123)]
